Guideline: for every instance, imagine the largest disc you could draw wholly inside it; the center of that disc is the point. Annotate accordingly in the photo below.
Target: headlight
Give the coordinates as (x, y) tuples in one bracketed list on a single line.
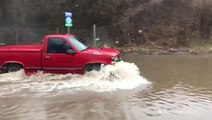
[(116, 59)]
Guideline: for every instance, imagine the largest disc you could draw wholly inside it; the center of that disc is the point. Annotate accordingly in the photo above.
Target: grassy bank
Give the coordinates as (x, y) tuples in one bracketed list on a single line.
[(193, 49)]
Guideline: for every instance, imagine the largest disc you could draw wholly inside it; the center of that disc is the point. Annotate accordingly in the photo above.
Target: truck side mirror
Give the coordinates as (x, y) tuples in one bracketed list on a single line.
[(70, 51)]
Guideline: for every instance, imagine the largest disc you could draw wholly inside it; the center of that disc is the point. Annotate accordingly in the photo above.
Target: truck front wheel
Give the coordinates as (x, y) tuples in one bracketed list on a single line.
[(11, 68), (92, 67)]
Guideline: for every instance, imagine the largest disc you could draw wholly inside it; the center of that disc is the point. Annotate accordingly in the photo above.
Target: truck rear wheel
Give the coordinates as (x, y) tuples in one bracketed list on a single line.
[(11, 68), (92, 67)]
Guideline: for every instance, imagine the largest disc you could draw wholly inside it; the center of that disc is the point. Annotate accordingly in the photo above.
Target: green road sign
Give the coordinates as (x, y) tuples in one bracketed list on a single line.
[(68, 22)]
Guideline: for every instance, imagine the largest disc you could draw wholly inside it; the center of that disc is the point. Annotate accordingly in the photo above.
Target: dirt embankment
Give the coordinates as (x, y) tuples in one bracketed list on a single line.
[(146, 49)]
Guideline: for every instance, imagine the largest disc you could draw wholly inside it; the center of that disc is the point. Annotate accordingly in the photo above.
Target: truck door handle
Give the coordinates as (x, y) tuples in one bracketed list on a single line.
[(47, 57)]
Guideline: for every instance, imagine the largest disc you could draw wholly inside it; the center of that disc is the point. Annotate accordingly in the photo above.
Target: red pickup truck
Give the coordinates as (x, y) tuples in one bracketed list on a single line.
[(59, 54)]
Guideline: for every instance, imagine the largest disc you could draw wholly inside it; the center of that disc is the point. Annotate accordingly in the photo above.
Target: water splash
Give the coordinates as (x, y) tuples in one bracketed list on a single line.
[(121, 76)]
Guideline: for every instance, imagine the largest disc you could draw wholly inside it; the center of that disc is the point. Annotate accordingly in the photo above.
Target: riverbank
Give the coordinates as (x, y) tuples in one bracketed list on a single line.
[(159, 50)]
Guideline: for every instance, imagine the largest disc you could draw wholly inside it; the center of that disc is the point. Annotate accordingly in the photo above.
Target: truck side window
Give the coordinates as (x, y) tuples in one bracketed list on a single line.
[(57, 45)]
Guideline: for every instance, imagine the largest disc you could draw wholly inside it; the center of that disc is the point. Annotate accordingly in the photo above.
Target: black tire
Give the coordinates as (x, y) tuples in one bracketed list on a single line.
[(91, 67), (11, 68)]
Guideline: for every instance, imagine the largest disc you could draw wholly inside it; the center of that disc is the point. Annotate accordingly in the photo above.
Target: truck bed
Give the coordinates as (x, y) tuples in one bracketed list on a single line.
[(30, 56), (21, 48)]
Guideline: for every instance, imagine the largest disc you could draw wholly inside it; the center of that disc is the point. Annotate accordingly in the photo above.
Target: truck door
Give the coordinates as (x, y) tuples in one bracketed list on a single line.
[(56, 59)]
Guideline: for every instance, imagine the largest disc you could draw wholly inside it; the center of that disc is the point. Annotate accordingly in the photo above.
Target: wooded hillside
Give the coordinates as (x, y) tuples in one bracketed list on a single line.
[(164, 22)]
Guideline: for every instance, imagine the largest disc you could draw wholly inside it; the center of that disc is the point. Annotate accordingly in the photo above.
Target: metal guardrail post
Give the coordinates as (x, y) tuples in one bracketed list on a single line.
[(94, 34)]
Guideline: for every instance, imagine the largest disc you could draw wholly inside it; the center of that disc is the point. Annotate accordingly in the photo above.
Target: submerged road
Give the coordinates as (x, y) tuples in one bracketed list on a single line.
[(169, 87)]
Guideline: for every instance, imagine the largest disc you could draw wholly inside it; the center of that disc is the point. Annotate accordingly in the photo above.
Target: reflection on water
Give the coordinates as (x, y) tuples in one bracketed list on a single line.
[(181, 88), (83, 105)]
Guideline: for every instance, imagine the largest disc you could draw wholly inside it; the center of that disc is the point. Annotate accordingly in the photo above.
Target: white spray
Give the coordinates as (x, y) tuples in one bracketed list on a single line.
[(123, 75)]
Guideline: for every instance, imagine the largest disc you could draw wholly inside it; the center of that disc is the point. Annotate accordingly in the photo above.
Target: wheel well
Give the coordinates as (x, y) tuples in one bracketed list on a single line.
[(89, 65), (7, 64)]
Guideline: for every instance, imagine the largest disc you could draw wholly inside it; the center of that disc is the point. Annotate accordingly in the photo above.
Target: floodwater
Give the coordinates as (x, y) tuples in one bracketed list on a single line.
[(167, 87)]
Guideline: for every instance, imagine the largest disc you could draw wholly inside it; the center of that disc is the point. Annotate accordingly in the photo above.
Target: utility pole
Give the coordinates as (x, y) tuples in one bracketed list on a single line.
[(68, 30), (16, 34), (57, 30), (94, 34)]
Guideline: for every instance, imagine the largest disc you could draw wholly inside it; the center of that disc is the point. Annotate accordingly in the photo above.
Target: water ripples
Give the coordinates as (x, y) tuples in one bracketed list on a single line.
[(179, 99)]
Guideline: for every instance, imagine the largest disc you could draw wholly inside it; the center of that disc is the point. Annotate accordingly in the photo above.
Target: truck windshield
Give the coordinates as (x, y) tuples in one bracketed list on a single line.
[(78, 43)]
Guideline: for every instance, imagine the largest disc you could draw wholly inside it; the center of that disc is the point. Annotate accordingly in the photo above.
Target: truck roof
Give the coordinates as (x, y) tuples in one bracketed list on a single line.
[(61, 35), (31, 47)]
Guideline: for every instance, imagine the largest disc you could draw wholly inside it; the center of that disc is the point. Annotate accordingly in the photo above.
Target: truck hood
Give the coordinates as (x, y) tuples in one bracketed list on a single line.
[(103, 51)]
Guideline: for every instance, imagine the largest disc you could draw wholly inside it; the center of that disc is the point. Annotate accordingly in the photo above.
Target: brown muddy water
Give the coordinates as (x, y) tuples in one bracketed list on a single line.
[(168, 88)]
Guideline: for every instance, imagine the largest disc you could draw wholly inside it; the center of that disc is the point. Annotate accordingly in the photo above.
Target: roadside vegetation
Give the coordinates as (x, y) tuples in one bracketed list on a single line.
[(130, 25)]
